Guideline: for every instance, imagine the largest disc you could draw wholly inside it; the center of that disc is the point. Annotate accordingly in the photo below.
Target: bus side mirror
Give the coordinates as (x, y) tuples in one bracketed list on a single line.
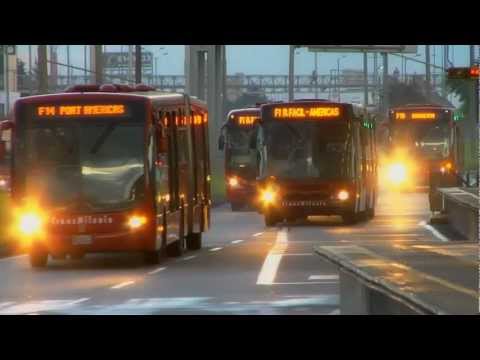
[(221, 142)]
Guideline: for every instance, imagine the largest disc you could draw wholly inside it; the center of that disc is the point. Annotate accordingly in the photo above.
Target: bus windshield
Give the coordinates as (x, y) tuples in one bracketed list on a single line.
[(430, 140), (85, 164), (306, 149), (240, 159)]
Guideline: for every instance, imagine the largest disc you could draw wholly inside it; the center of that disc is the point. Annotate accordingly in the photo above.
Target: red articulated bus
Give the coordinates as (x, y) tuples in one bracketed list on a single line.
[(421, 139), (240, 161), (107, 169), (316, 158), (5, 151)]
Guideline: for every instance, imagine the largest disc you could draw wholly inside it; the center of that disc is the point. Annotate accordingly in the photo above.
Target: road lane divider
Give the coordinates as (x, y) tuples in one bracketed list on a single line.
[(272, 261), (153, 272), (237, 241), (323, 277), (122, 285), (189, 257), (257, 234), (434, 231), (216, 249)]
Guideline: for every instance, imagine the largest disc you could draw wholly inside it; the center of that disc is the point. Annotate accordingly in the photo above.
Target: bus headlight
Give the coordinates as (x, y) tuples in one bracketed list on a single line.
[(343, 195), (135, 222), (30, 223), (268, 196), (397, 173), (233, 181)]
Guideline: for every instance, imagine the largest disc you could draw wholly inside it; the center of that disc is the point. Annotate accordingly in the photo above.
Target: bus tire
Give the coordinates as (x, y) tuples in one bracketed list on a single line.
[(77, 255), (175, 249), (153, 257), (236, 206), (194, 241), (38, 258), (371, 213), (350, 218), (270, 220)]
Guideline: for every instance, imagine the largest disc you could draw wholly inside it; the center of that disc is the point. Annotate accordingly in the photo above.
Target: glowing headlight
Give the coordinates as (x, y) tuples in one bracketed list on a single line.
[(3, 183), (397, 173), (233, 182), (30, 224), (268, 196), (343, 195), (134, 222)]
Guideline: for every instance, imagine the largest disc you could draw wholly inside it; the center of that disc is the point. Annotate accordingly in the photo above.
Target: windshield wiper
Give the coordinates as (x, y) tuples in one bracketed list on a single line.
[(103, 137)]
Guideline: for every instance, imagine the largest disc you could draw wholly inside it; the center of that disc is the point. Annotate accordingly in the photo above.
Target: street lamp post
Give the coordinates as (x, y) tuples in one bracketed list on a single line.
[(337, 83)]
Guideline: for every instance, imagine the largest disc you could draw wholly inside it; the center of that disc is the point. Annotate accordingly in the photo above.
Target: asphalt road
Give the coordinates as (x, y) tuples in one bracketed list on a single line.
[(244, 268)]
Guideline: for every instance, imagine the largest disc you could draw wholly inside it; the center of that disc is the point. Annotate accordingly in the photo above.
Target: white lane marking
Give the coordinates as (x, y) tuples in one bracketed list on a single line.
[(216, 249), (31, 307), (156, 271), (123, 284), (12, 257), (237, 241), (272, 261), (189, 257), (434, 231), (306, 283), (335, 312), (323, 277), (305, 254), (258, 234)]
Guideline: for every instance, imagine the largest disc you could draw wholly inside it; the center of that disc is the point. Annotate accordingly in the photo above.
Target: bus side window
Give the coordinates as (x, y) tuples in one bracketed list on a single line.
[(161, 161), (172, 159)]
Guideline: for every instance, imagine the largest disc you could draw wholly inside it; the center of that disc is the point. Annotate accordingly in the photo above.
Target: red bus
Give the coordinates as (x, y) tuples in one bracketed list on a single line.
[(110, 168), (316, 158), (421, 139), (240, 161), (5, 151)]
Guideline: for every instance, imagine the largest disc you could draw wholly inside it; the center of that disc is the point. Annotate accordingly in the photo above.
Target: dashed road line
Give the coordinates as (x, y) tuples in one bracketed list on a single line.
[(156, 271), (323, 277), (13, 257), (272, 261), (434, 231), (122, 285), (216, 249), (237, 241), (258, 234), (189, 257)]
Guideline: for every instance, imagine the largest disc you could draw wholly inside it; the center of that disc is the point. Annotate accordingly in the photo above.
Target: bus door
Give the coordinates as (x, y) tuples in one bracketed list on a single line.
[(199, 147), (358, 166), (161, 175), (173, 212)]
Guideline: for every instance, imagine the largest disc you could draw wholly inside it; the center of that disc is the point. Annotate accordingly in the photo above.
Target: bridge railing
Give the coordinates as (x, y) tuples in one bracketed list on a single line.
[(268, 83)]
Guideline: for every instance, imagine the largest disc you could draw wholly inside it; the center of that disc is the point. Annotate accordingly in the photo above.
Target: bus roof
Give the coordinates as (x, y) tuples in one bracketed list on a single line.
[(156, 97)]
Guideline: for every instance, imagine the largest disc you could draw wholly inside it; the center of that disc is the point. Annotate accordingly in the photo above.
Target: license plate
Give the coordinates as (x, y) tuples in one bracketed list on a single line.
[(82, 240)]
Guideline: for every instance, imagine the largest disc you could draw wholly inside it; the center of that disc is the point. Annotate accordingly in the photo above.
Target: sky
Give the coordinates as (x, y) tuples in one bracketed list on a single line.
[(267, 59)]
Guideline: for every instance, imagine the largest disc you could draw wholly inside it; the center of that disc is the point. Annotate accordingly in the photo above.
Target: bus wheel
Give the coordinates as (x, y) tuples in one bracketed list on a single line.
[(270, 220), (38, 258), (236, 206), (175, 249), (77, 255), (371, 213), (350, 218), (194, 241), (153, 257)]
